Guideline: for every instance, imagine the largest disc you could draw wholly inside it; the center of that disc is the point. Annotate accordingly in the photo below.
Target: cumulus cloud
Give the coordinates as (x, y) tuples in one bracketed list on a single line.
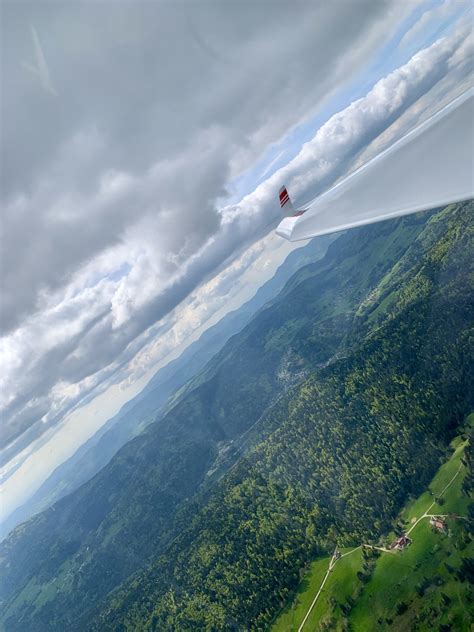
[(115, 216)]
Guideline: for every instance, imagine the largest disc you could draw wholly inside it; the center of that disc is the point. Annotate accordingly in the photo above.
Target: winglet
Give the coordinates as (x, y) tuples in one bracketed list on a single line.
[(285, 201)]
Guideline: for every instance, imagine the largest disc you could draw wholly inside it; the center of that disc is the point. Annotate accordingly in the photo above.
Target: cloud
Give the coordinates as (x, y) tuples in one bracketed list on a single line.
[(116, 237), (137, 103), (438, 16)]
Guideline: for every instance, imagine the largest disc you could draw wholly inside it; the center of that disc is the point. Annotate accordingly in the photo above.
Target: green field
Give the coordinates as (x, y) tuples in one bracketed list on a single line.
[(294, 612), (339, 583), (431, 560), (417, 589)]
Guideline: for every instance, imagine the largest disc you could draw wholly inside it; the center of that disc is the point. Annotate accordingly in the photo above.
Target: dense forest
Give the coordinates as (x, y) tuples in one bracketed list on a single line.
[(310, 428)]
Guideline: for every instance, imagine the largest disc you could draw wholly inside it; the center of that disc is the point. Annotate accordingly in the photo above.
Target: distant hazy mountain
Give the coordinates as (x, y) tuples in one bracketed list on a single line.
[(150, 403), (340, 394)]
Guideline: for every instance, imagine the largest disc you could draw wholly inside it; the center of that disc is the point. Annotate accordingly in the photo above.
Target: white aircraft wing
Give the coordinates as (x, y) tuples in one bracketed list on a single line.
[(433, 165)]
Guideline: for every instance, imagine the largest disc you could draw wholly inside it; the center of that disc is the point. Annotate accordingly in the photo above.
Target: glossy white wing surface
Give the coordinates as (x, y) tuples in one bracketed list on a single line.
[(429, 167)]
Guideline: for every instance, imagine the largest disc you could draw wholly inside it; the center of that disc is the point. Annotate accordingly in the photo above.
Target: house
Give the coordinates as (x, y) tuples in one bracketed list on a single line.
[(438, 523), (400, 543)]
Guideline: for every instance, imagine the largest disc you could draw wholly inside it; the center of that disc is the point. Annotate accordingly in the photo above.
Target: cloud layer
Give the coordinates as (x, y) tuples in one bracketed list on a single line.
[(115, 190)]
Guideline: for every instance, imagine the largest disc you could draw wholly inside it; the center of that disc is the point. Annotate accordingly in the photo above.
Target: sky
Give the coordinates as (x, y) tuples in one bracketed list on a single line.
[(143, 145)]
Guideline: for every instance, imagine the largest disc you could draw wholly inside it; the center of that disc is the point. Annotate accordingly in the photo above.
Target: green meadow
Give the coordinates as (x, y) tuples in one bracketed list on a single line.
[(424, 587)]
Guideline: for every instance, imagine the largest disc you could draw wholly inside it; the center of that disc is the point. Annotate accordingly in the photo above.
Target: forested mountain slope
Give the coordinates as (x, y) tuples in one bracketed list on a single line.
[(340, 455), (151, 403), (374, 339)]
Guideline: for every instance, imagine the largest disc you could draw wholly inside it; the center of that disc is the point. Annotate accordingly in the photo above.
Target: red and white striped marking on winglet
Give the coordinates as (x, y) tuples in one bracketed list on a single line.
[(284, 197)]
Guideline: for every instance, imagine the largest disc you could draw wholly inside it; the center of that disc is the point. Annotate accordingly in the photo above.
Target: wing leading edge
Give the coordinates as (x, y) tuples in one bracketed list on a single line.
[(431, 166)]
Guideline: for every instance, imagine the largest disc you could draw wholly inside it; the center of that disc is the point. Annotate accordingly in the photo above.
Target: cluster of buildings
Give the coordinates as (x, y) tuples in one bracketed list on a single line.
[(400, 543), (436, 522)]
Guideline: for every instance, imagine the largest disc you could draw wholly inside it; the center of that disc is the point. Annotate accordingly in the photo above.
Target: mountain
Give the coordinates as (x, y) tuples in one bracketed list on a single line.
[(310, 427), (150, 403)]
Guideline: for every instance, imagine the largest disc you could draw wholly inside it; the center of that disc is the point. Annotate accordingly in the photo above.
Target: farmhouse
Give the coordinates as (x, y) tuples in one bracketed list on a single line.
[(400, 543), (438, 523)]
